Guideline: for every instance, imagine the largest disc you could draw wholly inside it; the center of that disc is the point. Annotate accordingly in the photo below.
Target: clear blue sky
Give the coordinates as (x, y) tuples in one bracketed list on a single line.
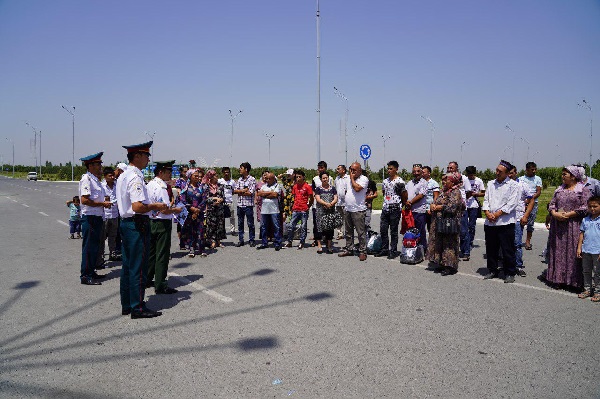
[(177, 67)]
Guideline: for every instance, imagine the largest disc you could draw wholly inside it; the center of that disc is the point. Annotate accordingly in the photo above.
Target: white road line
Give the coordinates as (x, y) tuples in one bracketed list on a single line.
[(8, 197), (42, 213), (63, 223), (14, 200), (201, 288), (25, 205)]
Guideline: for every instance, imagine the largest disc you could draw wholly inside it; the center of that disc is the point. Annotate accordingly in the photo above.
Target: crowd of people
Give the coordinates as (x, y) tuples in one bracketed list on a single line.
[(136, 218)]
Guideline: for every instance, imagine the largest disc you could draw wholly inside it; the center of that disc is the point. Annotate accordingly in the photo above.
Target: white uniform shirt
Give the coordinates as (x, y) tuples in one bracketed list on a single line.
[(157, 192), (227, 189), (130, 189), (355, 201), (476, 186), (501, 196), (113, 211), (340, 186), (90, 185)]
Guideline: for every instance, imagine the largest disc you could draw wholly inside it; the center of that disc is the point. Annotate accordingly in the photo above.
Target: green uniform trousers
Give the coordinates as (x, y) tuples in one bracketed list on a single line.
[(160, 250), (135, 236)]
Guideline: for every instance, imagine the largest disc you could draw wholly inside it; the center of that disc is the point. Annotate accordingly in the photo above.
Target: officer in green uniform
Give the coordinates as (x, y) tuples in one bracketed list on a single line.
[(161, 224), (134, 205), (92, 212)]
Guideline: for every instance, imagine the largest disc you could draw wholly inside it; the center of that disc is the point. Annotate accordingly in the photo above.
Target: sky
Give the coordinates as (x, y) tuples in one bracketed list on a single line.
[(174, 69)]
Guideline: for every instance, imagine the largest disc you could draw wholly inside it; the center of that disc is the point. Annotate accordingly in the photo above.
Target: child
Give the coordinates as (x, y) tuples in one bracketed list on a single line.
[(74, 217), (588, 249)]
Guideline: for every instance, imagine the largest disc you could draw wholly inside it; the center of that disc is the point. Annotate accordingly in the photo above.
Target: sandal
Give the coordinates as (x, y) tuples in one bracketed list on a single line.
[(528, 247), (204, 254), (584, 294), (320, 251), (596, 298), (191, 255)]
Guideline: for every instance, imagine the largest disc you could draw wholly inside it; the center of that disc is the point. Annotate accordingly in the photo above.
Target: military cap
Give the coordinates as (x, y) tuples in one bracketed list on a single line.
[(144, 147), (164, 164), (92, 158)]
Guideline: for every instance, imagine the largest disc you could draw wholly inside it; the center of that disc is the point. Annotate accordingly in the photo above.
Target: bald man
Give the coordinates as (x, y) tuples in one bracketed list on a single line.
[(356, 209)]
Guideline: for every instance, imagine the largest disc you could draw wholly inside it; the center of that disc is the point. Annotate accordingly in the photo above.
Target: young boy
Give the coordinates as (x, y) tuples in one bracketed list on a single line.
[(227, 182), (535, 185), (303, 200), (74, 217), (588, 249)]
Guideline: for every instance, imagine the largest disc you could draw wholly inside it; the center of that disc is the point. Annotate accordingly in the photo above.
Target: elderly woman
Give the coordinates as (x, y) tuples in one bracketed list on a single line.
[(443, 248), (194, 196), (326, 198), (215, 211), (567, 208)]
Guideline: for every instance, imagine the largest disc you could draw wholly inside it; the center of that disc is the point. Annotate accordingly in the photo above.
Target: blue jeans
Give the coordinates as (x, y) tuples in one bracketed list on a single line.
[(421, 224), (532, 217), (472, 214), (519, 244), (248, 212), (465, 240), (272, 219), (297, 216)]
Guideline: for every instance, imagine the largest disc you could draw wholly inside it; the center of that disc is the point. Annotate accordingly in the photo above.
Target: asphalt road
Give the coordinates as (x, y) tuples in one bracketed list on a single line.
[(261, 324)]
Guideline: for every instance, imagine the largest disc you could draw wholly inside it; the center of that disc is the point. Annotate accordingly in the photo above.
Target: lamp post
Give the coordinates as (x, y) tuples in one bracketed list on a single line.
[(533, 156), (526, 142), (34, 144), (589, 107), (153, 145), (356, 130), (13, 155), (232, 116), (345, 99), (72, 113), (464, 143), (384, 158), (426, 118), (318, 21), (507, 127), (269, 137)]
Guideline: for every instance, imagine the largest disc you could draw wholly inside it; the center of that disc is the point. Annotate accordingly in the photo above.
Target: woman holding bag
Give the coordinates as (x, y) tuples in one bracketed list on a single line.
[(446, 212), (327, 218)]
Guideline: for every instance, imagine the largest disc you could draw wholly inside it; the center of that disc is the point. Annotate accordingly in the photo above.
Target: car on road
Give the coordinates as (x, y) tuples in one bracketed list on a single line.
[(32, 176)]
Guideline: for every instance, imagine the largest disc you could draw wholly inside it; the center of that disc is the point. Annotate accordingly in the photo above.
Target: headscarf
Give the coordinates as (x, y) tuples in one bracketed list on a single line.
[(190, 172), (209, 175), (576, 171), (455, 178)]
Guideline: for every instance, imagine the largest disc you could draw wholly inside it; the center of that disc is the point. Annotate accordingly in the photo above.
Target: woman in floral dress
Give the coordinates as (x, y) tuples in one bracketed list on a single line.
[(215, 211), (194, 198), (567, 208), (443, 249)]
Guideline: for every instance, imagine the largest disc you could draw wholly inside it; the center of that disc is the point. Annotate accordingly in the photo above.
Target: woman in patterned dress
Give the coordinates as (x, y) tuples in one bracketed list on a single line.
[(443, 249), (194, 198), (215, 211)]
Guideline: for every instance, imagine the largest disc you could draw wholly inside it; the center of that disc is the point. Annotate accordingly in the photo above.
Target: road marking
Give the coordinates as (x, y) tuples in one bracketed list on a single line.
[(42, 213), (63, 223), (25, 205), (8, 197), (201, 288), (14, 200)]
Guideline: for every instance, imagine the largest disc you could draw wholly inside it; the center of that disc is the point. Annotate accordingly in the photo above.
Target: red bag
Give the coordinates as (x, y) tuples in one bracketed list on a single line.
[(408, 221)]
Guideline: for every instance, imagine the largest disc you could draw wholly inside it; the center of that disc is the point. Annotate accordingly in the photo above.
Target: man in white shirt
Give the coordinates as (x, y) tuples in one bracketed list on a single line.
[(417, 202), (499, 205), (111, 216), (161, 224), (356, 208), (341, 182), (465, 191), (269, 212), (394, 194), (523, 210), (535, 186), (92, 213), (473, 209), (134, 205), (228, 184)]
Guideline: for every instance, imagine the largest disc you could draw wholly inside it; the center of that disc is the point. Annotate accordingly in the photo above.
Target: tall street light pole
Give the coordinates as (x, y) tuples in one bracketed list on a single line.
[(507, 127), (269, 137), (589, 107), (464, 143), (232, 116), (384, 158), (318, 17), (526, 142), (153, 145), (356, 130), (345, 99), (428, 119), (34, 144), (13, 155), (72, 113)]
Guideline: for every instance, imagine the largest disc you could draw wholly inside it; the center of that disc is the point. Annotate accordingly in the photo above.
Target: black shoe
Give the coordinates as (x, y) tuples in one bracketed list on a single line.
[(521, 272), (89, 281), (448, 271), (240, 244), (126, 312), (345, 253), (150, 284), (393, 255), (300, 246), (490, 276), (252, 244), (465, 258), (439, 269), (144, 314), (509, 279), (262, 246), (167, 290), (381, 254), (97, 276), (288, 245), (277, 247)]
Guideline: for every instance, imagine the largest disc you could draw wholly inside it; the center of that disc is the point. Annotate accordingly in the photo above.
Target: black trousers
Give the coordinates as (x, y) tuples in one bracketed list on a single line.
[(501, 238), (390, 219)]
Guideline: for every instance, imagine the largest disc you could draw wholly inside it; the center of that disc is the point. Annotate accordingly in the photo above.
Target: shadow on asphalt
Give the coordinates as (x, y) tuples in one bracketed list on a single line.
[(21, 287), (259, 272), (167, 301)]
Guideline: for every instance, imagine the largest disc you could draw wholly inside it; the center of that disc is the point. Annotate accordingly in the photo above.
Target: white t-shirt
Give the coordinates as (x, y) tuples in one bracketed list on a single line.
[(270, 206), (533, 182), (355, 201), (466, 186), (476, 186), (340, 187), (227, 189)]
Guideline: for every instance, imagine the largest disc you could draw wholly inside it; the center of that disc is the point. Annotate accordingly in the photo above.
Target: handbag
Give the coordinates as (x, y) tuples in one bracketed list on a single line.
[(446, 225), (408, 221)]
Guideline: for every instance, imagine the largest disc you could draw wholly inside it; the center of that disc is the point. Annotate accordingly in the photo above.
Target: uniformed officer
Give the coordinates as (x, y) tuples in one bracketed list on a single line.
[(161, 224), (92, 211), (134, 204)]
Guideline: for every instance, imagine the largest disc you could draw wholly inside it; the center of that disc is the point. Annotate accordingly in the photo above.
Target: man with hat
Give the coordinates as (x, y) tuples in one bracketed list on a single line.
[(92, 211), (161, 224), (134, 204)]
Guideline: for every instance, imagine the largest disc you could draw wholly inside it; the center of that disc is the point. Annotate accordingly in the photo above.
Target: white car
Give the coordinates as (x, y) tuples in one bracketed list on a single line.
[(32, 176)]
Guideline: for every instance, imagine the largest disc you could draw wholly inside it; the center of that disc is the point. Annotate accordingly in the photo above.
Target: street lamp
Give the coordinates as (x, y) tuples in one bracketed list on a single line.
[(232, 116), (589, 107), (384, 158), (507, 127), (269, 137), (153, 145), (356, 130), (526, 142), (426, 118), (72, 113), (318, 21), (13, 154), (35, 133), (461, 151), (345, 99)]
